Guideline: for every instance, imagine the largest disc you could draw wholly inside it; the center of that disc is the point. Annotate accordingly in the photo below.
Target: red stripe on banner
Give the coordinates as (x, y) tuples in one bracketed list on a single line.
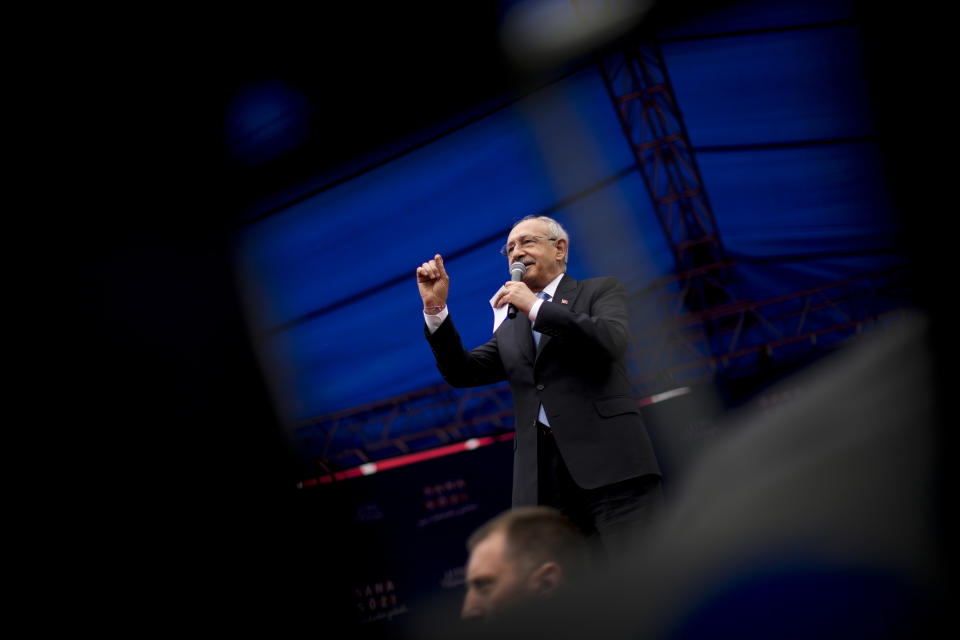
[(401, 461), (411, 458), (660, 397)]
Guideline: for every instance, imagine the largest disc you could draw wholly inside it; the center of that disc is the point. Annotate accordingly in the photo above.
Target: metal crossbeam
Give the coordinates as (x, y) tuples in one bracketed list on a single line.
[(415, 421), (678, 350)]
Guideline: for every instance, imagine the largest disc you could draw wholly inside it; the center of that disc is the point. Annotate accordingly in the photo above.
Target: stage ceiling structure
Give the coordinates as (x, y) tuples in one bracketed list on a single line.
[(760, 138)]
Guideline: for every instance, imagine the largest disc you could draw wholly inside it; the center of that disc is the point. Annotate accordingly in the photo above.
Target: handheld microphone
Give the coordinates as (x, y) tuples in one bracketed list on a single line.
[(517, 271)]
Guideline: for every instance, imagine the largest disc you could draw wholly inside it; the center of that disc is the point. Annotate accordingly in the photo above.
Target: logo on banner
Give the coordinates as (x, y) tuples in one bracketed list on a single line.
[(454, 578), (369, 512), (445, 494), (443, 500), (378, 601)]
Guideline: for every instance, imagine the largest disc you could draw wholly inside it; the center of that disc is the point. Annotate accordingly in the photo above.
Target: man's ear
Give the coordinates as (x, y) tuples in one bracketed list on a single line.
[(561, 247), (546, 579)]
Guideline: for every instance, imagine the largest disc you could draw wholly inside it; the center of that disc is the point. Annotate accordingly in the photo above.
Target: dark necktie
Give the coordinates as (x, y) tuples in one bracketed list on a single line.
[(536, 339), (536, 334)]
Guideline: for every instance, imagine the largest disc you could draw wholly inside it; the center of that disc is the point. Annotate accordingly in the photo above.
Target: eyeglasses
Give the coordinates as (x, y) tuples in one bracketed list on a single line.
[(524, 242)]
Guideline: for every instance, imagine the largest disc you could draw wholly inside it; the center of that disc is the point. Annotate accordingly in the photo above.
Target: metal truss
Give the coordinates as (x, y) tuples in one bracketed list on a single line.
[(750, 333), (637, 82), (708, 326), (416, 421)]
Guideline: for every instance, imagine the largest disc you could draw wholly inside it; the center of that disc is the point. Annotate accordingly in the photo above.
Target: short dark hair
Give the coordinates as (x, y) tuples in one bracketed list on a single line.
[(536, 535)]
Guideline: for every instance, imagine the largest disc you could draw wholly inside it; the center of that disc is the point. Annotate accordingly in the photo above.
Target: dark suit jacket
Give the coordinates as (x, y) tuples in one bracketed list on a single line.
[(578, 373)]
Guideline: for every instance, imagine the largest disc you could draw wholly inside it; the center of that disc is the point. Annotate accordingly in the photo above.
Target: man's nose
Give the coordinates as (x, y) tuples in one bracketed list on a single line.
[(471, 608)]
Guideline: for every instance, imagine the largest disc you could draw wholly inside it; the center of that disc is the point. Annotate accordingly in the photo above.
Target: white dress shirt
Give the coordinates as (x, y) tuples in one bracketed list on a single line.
[(499, 313)]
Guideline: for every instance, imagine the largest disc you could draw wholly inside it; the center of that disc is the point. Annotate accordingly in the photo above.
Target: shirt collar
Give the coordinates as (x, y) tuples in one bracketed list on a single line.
[(552, 287)]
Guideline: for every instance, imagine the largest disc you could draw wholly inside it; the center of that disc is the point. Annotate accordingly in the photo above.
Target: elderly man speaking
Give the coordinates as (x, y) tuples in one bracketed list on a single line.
[(580, 443)]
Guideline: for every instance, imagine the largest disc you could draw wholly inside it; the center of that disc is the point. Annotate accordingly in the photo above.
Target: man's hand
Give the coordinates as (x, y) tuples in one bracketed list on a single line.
[(433, 281), (517, 293)]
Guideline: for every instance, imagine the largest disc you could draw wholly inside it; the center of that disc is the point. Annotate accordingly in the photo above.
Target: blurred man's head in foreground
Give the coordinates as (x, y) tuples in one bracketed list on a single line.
[(522, 554)]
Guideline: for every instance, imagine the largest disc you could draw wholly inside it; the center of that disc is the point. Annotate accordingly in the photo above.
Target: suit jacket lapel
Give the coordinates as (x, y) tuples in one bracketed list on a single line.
[(567, 289), (523, 335)]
